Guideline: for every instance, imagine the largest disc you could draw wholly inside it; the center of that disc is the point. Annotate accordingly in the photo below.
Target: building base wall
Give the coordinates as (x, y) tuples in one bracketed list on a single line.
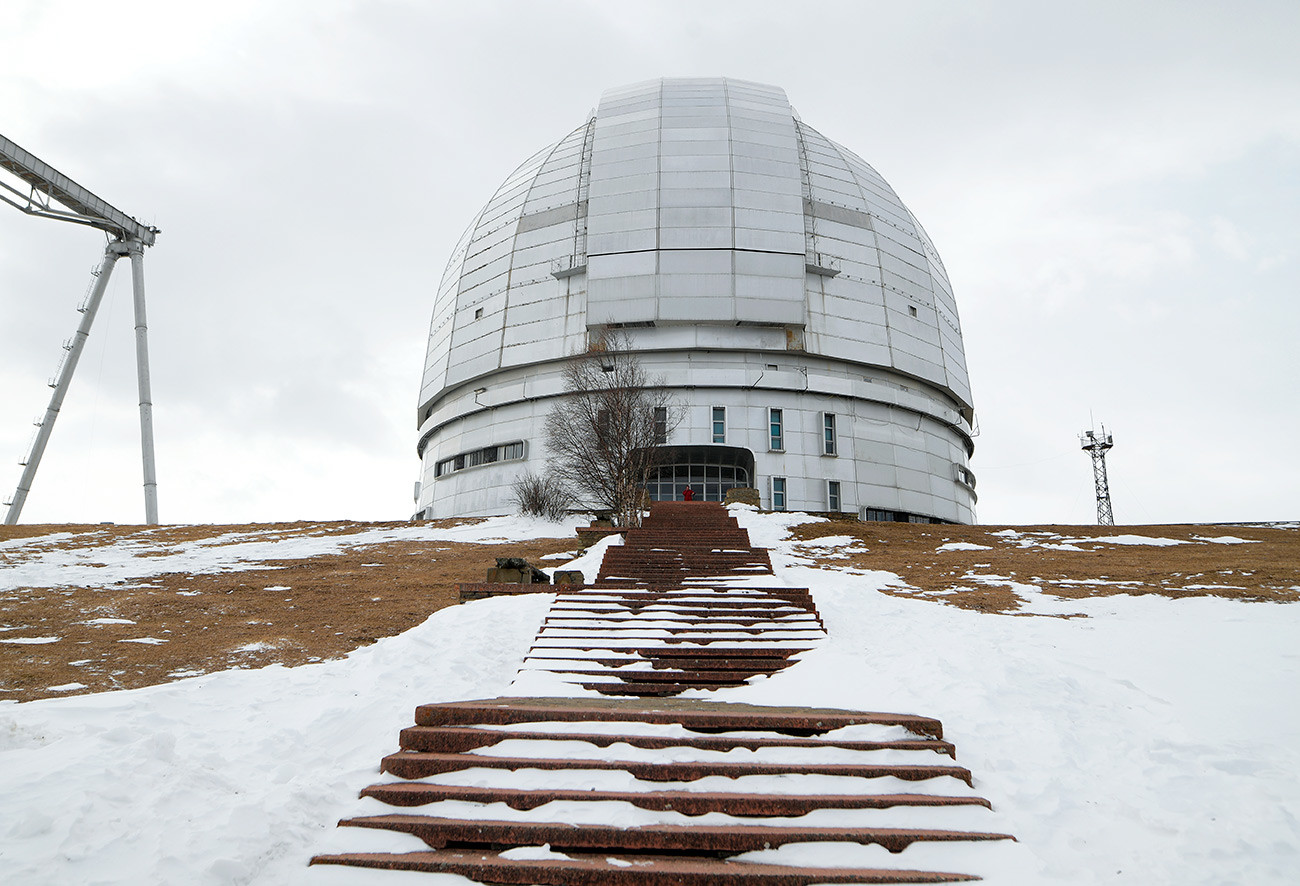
[(894, 445)]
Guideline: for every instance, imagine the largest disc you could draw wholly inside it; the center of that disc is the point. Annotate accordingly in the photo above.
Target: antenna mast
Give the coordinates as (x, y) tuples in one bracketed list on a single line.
[(46, 192), (1096, 446)]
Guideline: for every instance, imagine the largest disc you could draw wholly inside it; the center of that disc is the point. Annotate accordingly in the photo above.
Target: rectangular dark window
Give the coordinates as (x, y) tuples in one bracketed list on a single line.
[(661, 425), (828, 433), (776, 441), (512, 451), (778, 493), (876, 515), (719, 424), (832, 495)]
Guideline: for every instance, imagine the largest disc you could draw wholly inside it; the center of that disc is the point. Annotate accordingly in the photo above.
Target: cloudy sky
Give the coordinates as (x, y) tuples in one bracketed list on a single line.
[(1114, 186)]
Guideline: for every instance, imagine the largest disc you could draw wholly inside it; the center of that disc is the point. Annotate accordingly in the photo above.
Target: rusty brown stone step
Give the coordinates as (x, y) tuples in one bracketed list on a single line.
[(456, 739), (417, 764), (676, 647), (408, 794), (655, 690), (701, 616), (698, 587), (658, 623), (629, 653), (740, 596), (665, 657), (739, 662), (654, 621), (438, 833), (691, 713), (633, 633), (640, 566), (662, 653), (703, 629), (709, 608), (677, 665), (603, 869), (674, 642), (718, 551), (701, 676), (793, 614)]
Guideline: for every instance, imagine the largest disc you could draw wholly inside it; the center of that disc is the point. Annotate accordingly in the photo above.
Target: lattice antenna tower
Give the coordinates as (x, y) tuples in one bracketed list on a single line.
[(36, 188), (1096, 445)]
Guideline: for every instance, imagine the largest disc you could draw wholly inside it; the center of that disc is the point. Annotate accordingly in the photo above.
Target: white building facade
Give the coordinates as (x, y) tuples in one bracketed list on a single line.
[(772, 280)]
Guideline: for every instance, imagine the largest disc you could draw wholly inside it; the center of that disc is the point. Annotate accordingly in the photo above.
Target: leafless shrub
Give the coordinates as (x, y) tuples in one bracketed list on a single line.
[(541, 496)]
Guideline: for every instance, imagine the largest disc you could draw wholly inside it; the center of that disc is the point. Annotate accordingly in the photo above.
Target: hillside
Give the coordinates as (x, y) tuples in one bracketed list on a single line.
[(1123, 697), (96, 608)]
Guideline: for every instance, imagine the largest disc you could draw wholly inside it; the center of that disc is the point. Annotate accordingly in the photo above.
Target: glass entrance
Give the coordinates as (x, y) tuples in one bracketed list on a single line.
[(709, 470)]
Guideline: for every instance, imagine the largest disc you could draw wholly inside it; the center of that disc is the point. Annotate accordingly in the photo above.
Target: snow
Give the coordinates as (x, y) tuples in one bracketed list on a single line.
[(44, 561), (962, 546), (1154, 740), (237, 776), (534, 853), (1134, 540)]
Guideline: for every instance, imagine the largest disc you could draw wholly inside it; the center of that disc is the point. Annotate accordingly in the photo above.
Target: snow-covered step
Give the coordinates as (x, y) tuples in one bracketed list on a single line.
[(707, 716), (419, 764), (548, 868), (457, 739), (711, 839), (737, 803)]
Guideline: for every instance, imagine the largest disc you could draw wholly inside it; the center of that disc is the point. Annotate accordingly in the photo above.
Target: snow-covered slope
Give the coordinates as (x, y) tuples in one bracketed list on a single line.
[(1152, 741)]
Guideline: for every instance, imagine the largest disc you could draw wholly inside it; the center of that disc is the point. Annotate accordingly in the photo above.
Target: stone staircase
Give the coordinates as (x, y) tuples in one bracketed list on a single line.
[(658, 791), (681, 604)]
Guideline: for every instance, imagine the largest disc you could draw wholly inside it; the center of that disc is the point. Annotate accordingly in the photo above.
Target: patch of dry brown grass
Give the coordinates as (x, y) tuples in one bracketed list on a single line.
[(1266, 569), (215, 621), (338, 602)]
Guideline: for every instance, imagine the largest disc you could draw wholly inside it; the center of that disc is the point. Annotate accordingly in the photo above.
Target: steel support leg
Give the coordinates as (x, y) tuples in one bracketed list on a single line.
[(114, 251), (142, 380)]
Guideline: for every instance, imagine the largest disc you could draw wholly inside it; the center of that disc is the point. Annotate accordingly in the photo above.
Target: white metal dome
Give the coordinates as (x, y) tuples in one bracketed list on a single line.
[(748, 254)]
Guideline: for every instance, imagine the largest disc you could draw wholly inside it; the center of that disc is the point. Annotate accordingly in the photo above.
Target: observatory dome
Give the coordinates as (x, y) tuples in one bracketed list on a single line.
[(769, 276)]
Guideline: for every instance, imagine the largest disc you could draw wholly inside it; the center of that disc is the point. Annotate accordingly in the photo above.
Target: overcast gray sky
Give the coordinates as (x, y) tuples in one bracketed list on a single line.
[(1114, 187)]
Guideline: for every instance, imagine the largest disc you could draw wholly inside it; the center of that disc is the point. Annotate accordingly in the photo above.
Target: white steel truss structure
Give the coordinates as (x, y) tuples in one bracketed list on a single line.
[(36, 188)]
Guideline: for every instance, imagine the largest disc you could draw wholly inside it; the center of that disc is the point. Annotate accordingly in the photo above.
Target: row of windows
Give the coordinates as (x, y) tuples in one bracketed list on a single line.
[(776, 430), (486, 455)]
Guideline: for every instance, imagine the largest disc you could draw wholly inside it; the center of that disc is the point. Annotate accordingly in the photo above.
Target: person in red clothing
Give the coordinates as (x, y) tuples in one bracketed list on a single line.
[(688, 494)]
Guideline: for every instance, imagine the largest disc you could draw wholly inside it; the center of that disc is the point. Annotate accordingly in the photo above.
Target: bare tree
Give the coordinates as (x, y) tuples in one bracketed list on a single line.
[(606, 436)]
